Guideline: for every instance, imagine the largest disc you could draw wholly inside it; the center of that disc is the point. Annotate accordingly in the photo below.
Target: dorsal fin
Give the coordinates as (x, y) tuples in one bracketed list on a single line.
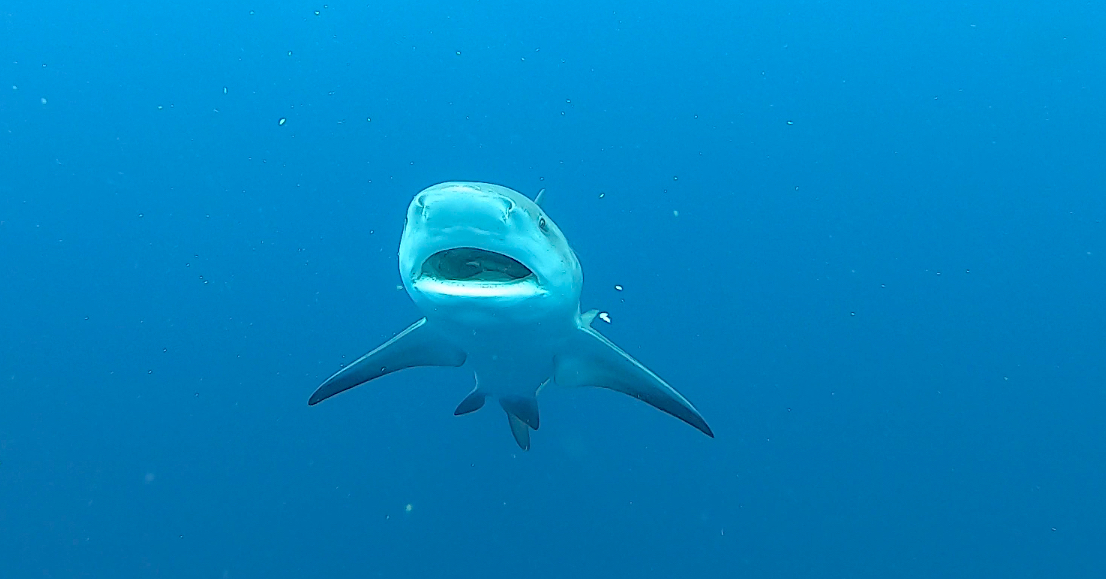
[(540, 197)]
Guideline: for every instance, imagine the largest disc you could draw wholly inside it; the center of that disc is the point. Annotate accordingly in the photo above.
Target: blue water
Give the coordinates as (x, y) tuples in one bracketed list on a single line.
[(866, 239)]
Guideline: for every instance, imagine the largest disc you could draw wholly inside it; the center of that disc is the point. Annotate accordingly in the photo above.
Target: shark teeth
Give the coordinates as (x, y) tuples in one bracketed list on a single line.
[(524, 288)]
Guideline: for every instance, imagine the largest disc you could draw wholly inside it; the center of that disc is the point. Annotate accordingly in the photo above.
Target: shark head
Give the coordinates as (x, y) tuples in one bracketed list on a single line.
[(477, 253)]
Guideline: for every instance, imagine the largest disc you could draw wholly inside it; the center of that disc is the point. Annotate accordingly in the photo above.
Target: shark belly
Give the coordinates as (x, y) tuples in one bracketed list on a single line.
[(507, 361), (510, 362)]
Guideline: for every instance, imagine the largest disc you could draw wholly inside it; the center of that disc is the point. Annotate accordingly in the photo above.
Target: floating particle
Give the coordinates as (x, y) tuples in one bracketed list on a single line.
[(675, 213), (224, 90), (791, 122), (605, 317), (281, 122), (617, 288), (43, 100)]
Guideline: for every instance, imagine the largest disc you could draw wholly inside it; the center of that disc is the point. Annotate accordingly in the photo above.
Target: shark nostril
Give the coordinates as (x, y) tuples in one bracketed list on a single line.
[(441, 207), (419, 206), (508, 207)]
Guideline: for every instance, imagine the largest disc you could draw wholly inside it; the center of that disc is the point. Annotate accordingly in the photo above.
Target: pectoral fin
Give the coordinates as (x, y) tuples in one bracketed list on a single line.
[(418, 345), (589, 359)]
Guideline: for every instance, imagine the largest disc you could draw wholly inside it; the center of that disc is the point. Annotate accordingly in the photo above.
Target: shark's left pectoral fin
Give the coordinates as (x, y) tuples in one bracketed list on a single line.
[(418, 345), (589, 359)]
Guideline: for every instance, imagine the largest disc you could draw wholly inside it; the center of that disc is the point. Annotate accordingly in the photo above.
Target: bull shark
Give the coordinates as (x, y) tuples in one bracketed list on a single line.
[(500, 287)]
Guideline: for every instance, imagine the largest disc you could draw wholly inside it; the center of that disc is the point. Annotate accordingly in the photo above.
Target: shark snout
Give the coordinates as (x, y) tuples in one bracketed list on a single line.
[(463, 206)]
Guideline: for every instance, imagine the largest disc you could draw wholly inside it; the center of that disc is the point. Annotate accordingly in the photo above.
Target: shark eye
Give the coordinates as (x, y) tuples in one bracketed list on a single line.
[(542, 224)]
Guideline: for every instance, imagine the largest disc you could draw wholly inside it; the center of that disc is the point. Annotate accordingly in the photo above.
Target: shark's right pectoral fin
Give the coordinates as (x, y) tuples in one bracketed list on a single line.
[(418, 345), (589, 359)]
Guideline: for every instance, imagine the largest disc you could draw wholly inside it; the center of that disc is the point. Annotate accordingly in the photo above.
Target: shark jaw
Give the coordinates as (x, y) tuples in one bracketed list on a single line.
[(475, 274), (499, 287)]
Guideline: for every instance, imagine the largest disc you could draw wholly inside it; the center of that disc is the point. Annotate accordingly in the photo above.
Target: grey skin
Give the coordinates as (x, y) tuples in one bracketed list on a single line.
[(499, 287)]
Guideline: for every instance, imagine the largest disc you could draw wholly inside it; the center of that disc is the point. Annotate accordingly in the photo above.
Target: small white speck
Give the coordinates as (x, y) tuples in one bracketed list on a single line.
[(605, 317)]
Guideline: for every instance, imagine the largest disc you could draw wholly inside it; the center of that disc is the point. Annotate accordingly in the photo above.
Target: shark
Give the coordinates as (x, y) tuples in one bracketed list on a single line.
[(499, 289)]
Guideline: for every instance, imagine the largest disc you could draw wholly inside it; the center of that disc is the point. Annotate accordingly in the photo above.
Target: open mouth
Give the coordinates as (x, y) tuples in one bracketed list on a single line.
[(469, 264)]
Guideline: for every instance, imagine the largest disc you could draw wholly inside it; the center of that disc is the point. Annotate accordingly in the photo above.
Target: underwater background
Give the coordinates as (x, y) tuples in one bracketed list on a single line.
[(865, 239)]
